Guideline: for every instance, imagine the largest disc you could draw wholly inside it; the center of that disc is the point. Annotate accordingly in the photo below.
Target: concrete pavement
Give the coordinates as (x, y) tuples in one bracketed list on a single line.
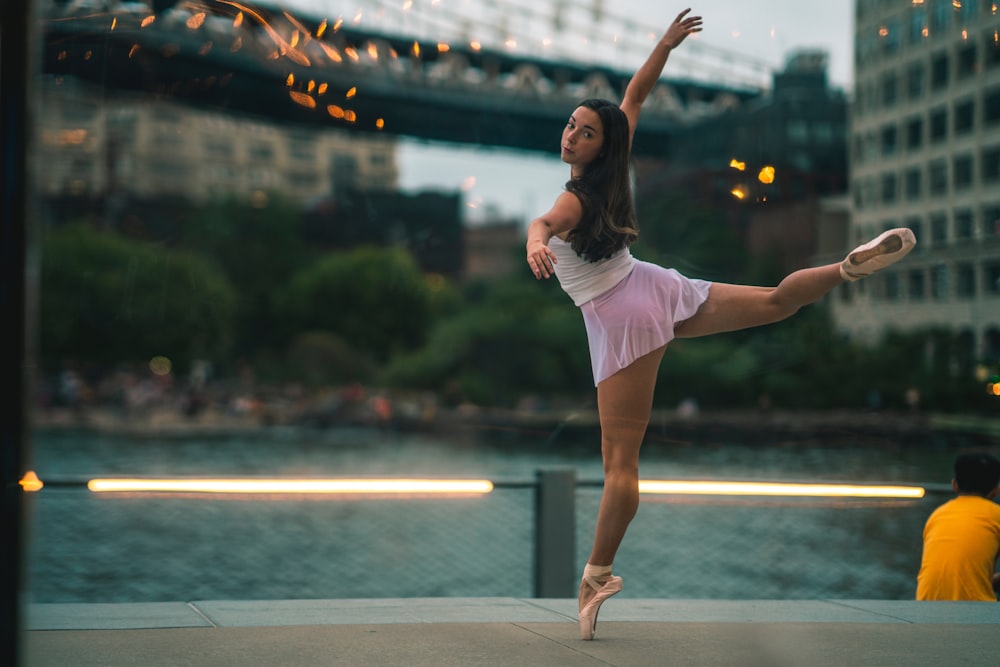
[(444, 632)]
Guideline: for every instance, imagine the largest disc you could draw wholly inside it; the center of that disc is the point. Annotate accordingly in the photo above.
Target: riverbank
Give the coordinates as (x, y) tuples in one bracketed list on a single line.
[(748, 426)]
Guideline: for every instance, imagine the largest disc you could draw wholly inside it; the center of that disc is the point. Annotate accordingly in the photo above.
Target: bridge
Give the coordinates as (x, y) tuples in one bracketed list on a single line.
[(317, 72)]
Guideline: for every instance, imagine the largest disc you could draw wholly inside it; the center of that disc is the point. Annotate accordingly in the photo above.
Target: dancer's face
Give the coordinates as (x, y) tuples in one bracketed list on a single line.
[(582, 138)]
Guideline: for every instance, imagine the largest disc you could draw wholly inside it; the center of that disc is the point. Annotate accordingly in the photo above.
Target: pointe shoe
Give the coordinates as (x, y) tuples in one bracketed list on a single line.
[(588, 611), (885, 250)]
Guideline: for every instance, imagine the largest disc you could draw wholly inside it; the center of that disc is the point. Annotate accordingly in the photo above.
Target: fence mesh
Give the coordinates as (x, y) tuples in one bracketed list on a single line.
[(87, 547)]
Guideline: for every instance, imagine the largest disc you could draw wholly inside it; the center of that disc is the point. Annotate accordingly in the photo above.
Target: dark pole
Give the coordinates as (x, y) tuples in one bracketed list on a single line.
[(16, 61)]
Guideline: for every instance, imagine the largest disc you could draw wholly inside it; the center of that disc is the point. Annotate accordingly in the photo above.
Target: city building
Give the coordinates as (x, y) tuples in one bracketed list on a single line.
[(925, 154), (97, 144)]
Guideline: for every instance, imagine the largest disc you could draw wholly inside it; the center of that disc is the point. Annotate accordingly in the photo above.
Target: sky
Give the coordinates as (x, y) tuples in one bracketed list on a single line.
[(741, 38)]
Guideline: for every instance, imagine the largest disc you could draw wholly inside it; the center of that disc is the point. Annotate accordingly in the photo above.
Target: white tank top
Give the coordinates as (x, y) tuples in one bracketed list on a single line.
[(583, 280)]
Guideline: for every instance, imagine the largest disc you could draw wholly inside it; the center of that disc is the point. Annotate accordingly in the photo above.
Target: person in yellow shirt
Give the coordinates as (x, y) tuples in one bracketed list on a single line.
[(962, 536)]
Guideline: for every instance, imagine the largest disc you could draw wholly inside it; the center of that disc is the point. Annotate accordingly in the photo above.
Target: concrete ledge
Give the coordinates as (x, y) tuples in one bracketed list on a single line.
[(279, 613)]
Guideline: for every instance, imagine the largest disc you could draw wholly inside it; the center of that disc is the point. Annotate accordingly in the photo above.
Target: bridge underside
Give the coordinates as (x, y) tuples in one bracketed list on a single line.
[(349, 82)]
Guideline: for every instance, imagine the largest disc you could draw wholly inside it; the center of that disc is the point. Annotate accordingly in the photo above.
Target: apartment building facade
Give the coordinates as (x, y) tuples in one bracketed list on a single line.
[(925, 153), (97, 144)]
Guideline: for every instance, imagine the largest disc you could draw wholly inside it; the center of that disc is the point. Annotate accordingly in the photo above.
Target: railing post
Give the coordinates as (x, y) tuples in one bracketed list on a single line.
[(555, 534)]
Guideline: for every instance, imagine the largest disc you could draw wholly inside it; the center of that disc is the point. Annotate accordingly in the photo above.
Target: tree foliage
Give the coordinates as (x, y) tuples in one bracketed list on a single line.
[(106, 299)]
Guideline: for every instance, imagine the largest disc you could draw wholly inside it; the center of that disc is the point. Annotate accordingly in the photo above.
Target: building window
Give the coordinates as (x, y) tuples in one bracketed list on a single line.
[(941, 16), (914, 133), (965, 281), (990, 164), (967, 64), (939, 229), (889, 140), (892, 288), (939, 71), (962, 172), (937, 176), (991, 278), (917, 284), (939, 125), (965, 116), (991, 107), (918, 25), (939, 282), (964, 227), (991, 221), (912, 180), (889, 90), (916, 77), (916, 226), (889, 187), (992, 42)]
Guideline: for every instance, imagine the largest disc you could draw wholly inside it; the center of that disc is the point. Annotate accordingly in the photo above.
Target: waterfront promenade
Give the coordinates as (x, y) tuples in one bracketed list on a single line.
[(462, 632)]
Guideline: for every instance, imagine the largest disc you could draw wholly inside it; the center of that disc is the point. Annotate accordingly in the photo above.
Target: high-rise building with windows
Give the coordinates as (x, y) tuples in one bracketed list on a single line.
[(925, 154)]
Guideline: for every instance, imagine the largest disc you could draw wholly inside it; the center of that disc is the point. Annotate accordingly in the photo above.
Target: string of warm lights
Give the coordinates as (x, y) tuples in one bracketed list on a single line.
[(415, 486)]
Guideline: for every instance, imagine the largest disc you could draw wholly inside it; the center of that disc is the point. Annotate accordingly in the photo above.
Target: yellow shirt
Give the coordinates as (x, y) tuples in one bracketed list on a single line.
[(961, 543)]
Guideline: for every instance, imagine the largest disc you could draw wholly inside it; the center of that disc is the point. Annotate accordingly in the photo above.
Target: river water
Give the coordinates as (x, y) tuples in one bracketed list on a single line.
[(86, 547)]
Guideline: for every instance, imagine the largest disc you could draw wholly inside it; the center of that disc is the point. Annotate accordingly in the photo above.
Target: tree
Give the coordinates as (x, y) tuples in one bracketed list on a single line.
[(376, 299), (107, 299)]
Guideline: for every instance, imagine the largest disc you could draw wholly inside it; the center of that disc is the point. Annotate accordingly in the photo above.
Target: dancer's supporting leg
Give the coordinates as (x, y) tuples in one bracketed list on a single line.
[(624, 402)]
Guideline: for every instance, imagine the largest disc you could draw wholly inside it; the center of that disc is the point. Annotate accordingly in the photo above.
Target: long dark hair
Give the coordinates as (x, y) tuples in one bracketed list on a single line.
[(605, 190)]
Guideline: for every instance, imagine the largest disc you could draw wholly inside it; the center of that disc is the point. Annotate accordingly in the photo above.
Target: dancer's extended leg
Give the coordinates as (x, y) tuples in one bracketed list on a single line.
[(733, 307)]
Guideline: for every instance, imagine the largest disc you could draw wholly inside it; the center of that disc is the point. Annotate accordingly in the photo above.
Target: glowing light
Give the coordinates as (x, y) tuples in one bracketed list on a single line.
[(476, 46), (160, 365), (321, 29), (331, 53), (738, 193), (883, 32), (30, 482), (416, 49), (372, 51), (290, 80), (736, 164), (350, 116), (311, 86), (147, 21), (380, 123), (296, 486), (133, 50), (302, 99), (679, 487), (114, 23), (195, 21), (993, 389), (335, 111), (351, 92), (965, 34), (351, 53), (443, 48), (510, 43), (238, 20), (322, 89), (766, 175)]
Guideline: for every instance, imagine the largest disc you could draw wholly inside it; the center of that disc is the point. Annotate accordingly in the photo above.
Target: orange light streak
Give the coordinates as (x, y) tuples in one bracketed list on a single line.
[(147, 21), (681, 487), (195, 21), (302, 99), (321, 29), (331, 52), (296, 486), (335, 111), (351, 92)]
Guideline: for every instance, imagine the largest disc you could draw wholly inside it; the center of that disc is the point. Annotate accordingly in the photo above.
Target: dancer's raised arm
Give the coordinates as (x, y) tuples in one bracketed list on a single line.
[(647, 75)]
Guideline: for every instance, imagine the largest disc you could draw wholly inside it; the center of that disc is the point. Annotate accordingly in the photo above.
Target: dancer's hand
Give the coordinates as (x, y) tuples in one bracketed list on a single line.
[(682, 26), (541, 260)]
